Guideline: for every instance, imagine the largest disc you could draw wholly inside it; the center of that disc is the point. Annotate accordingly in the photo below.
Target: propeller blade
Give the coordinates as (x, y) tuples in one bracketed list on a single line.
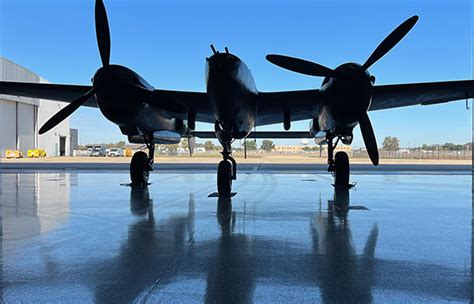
[(390, 41), (191, 144), (65, 112), (301, 66), (102, 32), (369, 138)]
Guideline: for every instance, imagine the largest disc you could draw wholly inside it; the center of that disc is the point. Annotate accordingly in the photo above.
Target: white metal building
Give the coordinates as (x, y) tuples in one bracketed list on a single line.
[(21, 117)]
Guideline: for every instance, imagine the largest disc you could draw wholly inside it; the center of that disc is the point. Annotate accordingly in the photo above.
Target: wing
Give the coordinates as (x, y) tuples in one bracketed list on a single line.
[(271, 105), (300, 105), (196, 102), (59, 92), (402, 95)]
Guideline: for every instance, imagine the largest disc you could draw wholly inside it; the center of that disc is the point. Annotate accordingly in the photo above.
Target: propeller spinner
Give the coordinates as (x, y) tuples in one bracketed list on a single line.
[(314, 69)]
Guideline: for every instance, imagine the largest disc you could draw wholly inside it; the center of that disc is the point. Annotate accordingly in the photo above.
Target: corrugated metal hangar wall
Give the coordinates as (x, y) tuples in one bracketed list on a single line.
[(20, 117)]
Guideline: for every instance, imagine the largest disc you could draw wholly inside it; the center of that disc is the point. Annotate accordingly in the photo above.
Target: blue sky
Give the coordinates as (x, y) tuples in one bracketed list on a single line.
[(167, 42)]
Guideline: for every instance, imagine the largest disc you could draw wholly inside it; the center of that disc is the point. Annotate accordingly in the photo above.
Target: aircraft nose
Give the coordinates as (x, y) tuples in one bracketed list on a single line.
[(222, 70), (220, 66)]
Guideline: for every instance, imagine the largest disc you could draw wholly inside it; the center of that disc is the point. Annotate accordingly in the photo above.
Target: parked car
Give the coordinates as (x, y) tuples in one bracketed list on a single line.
[(97, 152), (116, 152)]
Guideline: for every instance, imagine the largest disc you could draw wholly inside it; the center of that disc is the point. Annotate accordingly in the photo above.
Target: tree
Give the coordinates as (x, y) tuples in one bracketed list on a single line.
[(251, 145), (391, 143), (267, 145), (172, 148), (184, 143), (209, 146), (120, 144), (310, 149)]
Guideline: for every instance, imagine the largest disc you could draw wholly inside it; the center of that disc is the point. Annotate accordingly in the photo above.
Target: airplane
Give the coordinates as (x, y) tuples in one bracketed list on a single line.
[(234, 105)]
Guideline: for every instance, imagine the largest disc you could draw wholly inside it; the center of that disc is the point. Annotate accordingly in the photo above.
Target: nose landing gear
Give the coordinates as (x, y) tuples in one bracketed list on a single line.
[(338, 165), (227, 169), (226, 172), (142, 164)]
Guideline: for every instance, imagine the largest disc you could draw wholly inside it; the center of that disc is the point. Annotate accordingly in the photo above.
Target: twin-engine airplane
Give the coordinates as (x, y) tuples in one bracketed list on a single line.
[(235, 106)]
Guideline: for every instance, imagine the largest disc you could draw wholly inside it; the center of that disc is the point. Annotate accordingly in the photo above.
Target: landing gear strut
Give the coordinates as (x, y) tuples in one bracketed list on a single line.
[(142, 164), (338, 165), (226, 172), (227, 169)]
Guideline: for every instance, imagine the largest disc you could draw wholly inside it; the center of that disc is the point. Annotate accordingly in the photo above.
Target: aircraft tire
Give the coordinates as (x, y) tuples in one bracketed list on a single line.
[(224, 178), (139, 173), (341, 163)]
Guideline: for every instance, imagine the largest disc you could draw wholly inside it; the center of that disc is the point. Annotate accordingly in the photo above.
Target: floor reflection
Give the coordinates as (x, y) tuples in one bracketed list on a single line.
[(157, 250), (235, 262), (149, 250), (29, 207), (230, 274), (343, 276), (472, 240)]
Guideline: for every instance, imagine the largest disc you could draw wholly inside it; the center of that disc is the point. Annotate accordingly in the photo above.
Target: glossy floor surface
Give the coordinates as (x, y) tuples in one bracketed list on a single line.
[(82, 237)]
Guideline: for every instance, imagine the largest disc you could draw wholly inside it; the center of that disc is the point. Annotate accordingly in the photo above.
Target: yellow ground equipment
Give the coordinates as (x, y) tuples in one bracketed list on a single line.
[(128, 152), (13, 154), (35, 153)]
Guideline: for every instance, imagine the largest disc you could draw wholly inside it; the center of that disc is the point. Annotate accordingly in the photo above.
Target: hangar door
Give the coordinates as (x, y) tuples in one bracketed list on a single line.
[(26, 127), (7, 125)]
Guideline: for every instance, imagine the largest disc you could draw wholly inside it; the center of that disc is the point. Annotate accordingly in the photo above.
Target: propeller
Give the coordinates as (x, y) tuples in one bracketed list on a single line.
[(390, 41), (103, 42), (314, 69), (102, 32), (301, 66), (369, 138), (65, 112), (191, 145)]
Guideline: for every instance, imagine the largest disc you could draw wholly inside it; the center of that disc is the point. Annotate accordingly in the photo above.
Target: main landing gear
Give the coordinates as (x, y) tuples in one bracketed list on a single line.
[(227, 169), (226, 172), (142, 164), (338, 165)]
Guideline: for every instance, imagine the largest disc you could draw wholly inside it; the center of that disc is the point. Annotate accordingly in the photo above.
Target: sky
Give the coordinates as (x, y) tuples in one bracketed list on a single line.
[(166, 42)]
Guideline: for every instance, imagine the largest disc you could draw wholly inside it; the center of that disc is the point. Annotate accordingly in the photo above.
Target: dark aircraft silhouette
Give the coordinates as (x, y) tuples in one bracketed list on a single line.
[(234, 105)]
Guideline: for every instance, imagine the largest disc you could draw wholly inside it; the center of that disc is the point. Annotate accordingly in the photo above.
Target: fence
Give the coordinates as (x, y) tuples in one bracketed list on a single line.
[(418, 154)]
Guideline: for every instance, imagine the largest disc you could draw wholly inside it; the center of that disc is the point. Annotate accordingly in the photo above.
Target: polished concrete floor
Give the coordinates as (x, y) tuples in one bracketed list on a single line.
[(83, 237)]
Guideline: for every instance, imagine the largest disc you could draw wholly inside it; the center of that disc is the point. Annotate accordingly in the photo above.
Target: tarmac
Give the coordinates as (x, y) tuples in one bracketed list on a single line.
[(84, 235)]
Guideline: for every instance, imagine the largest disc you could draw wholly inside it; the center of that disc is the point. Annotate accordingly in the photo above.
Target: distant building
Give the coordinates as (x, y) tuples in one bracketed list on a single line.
[(340, 148), (288, 149), (21, 117)]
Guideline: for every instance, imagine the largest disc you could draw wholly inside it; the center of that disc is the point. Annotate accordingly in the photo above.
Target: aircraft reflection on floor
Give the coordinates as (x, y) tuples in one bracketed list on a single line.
[(231, 273), (157, 253), (150, 250), (234, 262), (335, 256), (472, 240)]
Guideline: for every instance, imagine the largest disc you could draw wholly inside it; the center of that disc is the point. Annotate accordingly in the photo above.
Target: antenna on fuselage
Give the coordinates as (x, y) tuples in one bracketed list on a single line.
[(226, 50), (214, 50)]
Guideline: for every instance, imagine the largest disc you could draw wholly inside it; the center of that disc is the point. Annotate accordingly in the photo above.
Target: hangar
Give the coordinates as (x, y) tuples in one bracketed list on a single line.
[(21, 118)]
